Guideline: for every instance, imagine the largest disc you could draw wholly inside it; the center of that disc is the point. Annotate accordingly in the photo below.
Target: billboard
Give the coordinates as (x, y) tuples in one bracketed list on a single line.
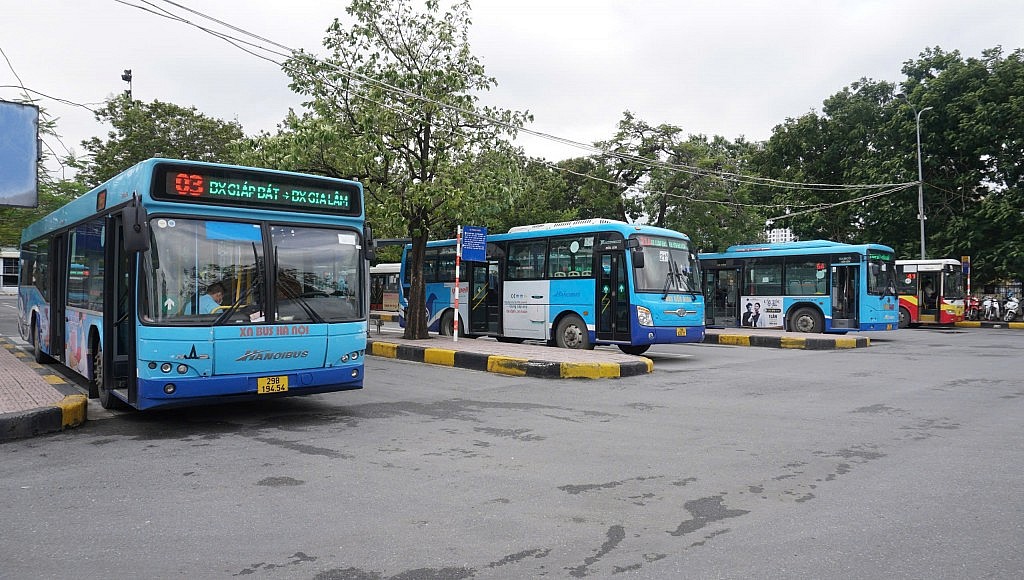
[(19, 154)]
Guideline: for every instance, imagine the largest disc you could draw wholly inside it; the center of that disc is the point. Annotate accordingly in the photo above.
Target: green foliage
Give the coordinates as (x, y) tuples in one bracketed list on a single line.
[(395, 105), (143, 130)]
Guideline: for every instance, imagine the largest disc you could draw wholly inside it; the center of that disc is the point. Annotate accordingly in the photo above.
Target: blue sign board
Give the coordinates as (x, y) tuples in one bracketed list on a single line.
[(19, 154), (474, 243)]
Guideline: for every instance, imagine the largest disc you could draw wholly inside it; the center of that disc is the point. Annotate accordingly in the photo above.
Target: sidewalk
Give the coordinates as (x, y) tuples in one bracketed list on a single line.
[(33, 400)]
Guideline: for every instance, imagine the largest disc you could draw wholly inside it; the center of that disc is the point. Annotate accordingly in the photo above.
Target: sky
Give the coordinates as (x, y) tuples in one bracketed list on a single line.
[(713, 67)]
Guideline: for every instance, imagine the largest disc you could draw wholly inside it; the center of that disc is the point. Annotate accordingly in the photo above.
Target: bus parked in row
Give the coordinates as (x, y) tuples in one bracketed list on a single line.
[(178, 282), (384, 287), (573, 284), (931, 291), (809, 286)]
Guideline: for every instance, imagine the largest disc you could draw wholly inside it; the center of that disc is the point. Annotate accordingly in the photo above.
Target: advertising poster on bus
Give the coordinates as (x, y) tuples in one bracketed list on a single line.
[(761, 311)]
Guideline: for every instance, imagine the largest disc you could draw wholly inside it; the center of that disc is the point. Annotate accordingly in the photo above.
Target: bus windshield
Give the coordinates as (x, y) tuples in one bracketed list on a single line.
[(205, 272), (670, 266), (881, 276)]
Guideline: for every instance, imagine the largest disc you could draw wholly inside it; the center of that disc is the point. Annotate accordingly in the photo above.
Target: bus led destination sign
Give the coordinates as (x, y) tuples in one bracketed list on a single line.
[(224, 186)]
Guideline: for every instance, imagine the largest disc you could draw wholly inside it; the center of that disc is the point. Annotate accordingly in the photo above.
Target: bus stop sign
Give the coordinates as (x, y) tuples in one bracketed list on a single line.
[(474, 243)]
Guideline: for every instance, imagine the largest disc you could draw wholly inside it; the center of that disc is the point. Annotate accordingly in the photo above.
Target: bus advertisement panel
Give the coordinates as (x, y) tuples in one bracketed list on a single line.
[(931, 291), (572, 284), (179, 283), (811, 286)]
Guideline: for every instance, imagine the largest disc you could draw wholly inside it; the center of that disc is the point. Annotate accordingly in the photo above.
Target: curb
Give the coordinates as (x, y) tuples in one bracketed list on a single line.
[(811, 343), (506, 365), (989, 324), (66, 413)]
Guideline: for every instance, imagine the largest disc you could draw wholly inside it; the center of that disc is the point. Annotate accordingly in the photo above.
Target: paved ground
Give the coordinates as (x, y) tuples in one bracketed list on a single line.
[(34, 400)]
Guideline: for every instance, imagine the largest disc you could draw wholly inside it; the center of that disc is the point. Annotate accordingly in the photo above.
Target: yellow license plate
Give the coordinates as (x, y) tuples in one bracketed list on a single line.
[(266, 385), (680, 332)]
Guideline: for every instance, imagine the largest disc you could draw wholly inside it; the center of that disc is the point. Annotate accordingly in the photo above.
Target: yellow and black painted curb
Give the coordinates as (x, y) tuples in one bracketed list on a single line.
[(64, 414), (989, 324), (806, 343), (384, 316), (506, 365)]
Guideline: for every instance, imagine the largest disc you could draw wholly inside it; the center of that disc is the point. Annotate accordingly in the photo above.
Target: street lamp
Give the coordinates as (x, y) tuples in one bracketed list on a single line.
[(920, 173)]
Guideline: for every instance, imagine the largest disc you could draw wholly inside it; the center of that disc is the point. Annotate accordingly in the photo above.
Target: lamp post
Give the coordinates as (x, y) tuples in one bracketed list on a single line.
[(920, 173)]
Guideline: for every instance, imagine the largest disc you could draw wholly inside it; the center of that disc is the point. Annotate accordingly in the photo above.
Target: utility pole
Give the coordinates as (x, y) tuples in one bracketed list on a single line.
[(920, 173)]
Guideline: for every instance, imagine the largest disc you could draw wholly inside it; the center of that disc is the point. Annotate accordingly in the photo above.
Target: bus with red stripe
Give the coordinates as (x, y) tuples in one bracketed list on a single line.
[(931, 291)]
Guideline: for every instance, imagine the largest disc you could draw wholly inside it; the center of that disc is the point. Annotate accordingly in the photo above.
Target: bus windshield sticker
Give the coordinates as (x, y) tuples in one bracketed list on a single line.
[(347, 239)]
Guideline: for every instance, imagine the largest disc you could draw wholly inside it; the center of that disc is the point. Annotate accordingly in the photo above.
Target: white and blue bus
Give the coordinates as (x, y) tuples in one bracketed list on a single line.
[(810, 286), (573, 284), (179, 283)]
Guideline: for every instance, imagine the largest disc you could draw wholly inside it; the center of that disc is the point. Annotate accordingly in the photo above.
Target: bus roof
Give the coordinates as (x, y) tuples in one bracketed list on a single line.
[(119, 189), (794, 249), (573, 227)]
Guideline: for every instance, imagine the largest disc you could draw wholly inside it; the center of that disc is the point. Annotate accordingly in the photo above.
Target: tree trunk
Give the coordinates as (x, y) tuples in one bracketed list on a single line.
[(416, 315)]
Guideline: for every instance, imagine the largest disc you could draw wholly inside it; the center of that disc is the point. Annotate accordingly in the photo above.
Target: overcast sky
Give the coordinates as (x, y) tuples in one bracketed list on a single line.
[(714, 67)]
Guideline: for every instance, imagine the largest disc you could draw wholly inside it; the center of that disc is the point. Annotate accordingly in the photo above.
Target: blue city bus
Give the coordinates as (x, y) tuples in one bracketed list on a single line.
[(180, 283), (811, 286), (573, 284)]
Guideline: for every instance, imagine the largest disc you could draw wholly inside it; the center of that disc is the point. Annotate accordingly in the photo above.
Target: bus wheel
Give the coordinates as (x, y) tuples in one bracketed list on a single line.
[(572, 333), (806, 319), (107, 399), (636, 349), (447, 325), (904, 318), (37, 349)]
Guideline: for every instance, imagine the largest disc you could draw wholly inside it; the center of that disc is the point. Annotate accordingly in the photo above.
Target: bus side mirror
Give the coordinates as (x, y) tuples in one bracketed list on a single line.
[(135, 220), (638, 257), (369, 245)]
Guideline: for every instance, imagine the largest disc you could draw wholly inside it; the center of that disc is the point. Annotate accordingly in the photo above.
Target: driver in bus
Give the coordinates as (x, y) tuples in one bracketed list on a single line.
[(209, 302)]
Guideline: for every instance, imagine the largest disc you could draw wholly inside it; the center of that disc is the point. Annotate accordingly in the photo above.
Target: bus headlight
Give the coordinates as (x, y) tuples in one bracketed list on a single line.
[(644, 317)]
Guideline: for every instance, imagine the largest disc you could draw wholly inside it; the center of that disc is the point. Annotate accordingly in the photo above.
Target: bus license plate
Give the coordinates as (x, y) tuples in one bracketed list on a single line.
[(681, 331), (266, 385)]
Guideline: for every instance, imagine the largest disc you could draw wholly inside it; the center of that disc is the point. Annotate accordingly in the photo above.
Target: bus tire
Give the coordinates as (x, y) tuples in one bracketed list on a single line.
[(571, 332), (37, 348), (634, 349), (447, 325), (904, 318), (107, 398), (806, 319)]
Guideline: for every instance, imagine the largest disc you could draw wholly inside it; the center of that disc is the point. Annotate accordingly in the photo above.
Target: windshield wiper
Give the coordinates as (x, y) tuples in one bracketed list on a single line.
[(290, 293), (245, 295)]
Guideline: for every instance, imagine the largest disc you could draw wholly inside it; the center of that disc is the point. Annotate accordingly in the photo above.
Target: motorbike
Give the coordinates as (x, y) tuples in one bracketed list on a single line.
[(990, 308), (972, 308), (1011, 309)]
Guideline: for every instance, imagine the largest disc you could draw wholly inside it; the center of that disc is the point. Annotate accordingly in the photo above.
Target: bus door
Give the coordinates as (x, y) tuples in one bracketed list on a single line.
[(929, 285), (484, 298), (721, 288), (59, 272), (845, 290), (118, 356), (612, 296)]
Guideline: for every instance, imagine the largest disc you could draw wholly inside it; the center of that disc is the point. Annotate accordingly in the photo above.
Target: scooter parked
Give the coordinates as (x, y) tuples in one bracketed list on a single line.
[(1011, 309), (990, 308), (972, 308)]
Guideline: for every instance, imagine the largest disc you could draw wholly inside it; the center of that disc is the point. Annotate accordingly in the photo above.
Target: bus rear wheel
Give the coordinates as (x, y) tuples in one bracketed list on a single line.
[(806, 319), (37, 348), (636, 349), (571, 332)]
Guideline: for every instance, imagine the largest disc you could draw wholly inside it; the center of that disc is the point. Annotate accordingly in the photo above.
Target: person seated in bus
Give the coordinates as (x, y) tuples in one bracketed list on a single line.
[(929, 295), (209, 302)]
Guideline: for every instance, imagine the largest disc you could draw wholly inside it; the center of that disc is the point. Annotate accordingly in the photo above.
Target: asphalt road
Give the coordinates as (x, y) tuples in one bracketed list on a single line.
[(901, 460)]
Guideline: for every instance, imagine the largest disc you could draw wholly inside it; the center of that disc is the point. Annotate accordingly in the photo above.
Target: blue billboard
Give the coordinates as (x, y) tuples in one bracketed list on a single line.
[(19, 154)]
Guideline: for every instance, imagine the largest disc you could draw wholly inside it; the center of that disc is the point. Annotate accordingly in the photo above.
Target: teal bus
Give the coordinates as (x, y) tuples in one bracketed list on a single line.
[(571, 284), (810, 286), (180, 283)]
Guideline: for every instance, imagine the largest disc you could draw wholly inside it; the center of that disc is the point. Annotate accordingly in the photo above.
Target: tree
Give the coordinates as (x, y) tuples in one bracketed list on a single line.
[(396, 101), (143, 130)]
